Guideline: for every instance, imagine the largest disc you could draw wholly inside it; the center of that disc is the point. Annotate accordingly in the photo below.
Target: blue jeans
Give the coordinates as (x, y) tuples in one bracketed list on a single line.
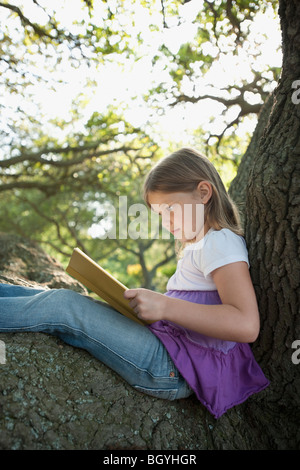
[(128, 348)]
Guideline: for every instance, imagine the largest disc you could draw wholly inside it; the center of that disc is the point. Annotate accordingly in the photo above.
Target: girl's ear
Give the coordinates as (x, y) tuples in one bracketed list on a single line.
[(204, 188)]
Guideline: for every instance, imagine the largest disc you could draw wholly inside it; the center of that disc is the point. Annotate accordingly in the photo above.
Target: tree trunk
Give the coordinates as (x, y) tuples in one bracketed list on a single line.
[(238, 186), (272, 233)]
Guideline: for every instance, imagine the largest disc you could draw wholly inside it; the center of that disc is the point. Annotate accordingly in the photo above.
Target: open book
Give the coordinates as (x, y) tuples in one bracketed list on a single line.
[(98, 280)]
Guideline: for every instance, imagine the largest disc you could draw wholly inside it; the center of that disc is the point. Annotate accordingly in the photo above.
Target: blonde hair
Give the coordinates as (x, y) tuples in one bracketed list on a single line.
[(182, 171)]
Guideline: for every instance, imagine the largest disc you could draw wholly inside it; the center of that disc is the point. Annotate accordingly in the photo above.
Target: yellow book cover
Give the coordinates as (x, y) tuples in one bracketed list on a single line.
[(98, 280)]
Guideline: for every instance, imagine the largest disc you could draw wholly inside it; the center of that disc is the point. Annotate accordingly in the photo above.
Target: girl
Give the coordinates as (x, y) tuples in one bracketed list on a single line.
[(198, 339)]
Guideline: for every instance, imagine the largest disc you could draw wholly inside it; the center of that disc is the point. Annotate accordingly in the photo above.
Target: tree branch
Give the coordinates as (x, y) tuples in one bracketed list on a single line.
[(246, 108), (37, 157), (49, 219), (165, 260), (25, 21)]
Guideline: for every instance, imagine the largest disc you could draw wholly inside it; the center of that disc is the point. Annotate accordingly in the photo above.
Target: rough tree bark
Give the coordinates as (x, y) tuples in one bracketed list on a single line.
[(271, 219), (238, 186)]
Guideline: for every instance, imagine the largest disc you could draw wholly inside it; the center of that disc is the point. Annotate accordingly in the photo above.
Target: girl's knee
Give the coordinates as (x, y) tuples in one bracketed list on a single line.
[(63, 306), (67, 293), (62, 297)]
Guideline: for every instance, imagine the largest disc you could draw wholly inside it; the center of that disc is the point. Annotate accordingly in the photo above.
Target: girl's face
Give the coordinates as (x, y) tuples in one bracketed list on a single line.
[(182, 213)]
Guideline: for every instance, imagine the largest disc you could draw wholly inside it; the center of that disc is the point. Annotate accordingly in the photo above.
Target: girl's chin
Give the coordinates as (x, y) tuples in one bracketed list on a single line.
[(176, 233), (182, 238), (188, 238)]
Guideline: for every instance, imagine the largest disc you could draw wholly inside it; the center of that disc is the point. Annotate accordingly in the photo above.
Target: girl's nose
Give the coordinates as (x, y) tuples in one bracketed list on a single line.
[(168, 222)]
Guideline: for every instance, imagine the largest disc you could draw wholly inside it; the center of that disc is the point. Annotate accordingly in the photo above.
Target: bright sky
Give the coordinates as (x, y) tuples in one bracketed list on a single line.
[(118, 87)]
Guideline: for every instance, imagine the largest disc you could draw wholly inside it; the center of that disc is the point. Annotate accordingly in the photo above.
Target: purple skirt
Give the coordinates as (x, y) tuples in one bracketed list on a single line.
[(221, 373)]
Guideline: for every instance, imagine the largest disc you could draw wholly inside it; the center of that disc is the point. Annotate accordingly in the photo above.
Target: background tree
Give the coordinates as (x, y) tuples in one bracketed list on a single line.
[(221, 65), (55, 189), (58, 195)]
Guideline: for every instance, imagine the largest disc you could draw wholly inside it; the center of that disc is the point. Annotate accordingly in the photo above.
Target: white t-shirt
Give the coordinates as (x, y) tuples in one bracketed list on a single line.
[(216, 249)]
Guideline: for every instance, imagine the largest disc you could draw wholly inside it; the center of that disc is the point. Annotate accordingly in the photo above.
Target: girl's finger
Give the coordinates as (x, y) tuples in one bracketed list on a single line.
[(130, 293)]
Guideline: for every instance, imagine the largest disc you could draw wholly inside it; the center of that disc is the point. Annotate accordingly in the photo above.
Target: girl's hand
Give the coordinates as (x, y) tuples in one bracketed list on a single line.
[(148, 305)]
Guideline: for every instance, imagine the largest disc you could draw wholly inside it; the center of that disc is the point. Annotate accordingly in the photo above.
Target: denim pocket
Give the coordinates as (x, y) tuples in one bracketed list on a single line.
[(166, 394)]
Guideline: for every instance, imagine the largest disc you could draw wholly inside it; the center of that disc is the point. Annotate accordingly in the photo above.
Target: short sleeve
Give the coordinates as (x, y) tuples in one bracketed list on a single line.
[(221, 247)]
